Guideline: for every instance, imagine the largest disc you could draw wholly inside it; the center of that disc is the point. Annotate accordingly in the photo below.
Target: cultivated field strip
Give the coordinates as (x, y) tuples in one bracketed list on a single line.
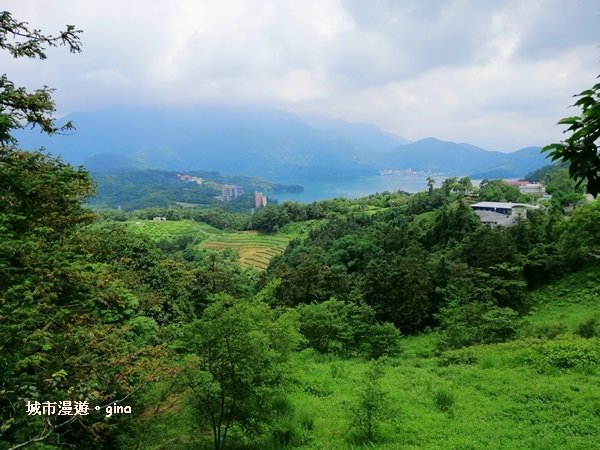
[(255, 250)]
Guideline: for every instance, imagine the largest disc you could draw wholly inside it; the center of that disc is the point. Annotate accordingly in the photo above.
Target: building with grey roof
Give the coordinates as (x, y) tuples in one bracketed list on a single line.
[(502, 214)]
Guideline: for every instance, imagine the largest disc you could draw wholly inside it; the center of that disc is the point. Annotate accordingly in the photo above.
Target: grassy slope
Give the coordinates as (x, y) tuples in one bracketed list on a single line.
[(574, 300), (164, 229), (506, 396), (503, 396)]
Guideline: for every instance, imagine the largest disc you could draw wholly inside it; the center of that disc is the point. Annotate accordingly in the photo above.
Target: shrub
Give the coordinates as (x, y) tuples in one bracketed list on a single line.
[(142, 330), (384, 340), (566, 354), (289, 427), (548, 330), (371, 407), (444, 400), (282, 406), (285, 431), (475, 323), (336, 370), (305, 420), (590, 328), (499, 325), (347, 329), (459, 357)]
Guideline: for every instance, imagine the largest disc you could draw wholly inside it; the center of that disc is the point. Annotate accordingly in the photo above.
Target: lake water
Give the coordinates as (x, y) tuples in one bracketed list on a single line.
[(353, 187)]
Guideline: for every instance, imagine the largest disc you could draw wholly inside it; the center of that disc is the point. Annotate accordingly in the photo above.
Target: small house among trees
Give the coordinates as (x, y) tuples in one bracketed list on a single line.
[(502, 214)]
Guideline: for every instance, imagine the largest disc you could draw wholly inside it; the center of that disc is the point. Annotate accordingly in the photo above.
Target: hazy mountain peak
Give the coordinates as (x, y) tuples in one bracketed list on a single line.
[(258, 141)]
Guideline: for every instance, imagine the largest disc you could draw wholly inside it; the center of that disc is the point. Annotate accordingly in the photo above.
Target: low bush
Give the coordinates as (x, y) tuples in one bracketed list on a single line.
[(549, 330), (290, 427), (472, 323), (568, 353), (463, 356), (371, 408), (589, 328), (444, 400)]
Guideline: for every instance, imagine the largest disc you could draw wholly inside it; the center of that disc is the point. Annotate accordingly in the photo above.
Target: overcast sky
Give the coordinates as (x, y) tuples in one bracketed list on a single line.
[(498, 74)]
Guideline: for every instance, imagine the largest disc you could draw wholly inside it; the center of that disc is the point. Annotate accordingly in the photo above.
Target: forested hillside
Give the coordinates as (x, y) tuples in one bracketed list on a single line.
[(139, 189), (97, 311), (390, 321)]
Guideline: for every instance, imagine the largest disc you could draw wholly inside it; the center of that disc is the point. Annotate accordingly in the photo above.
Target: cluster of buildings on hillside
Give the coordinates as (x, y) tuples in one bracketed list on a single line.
[(231, 191), (228, 191), (505, 214), (190, 178)]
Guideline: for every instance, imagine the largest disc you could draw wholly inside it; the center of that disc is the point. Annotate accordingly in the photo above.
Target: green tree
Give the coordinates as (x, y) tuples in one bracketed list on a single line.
[(424, 201), (563, 188), (219, 272), (62, 316), (236, 361), (499, 191), (582, 233), (486, 246), (580, 149), (347, 328), (306, 277), (430, 184), (294, 210), (401, 288), (19, 108), (371, 407), (452, 222), (475, 322), (456, 185), (269, 219)]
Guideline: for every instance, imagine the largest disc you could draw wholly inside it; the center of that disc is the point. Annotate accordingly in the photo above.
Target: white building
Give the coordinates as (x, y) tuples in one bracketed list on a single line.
[(230, 192), (532, 188)]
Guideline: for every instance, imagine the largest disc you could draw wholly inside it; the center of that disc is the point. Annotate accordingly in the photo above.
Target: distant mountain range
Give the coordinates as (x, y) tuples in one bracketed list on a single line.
[(262, 142), (433, 155)]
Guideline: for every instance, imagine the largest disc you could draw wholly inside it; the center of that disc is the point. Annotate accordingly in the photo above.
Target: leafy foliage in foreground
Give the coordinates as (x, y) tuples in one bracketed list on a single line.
[(61, 315), (19, 108), (580, 149)]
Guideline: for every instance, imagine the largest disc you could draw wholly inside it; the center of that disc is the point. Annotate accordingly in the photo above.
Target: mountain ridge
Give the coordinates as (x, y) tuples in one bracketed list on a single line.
[(261, 142), (435, 155)]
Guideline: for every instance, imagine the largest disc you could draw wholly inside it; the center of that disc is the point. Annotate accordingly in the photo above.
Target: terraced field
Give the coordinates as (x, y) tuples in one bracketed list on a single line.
[(254, 249)]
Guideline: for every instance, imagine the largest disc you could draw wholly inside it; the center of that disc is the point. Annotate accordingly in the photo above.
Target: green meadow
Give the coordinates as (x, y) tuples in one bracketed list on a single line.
[(540, 391)]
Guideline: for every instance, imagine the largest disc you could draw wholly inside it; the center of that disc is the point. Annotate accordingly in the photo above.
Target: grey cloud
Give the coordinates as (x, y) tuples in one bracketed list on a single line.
[(496, 73), (558, 25)]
